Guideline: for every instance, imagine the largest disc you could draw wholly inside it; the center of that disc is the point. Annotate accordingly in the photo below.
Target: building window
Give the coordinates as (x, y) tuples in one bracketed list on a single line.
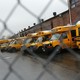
[(74, 3)]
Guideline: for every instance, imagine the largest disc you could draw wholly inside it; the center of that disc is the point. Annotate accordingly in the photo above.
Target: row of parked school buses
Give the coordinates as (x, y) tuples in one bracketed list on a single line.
[(45, 41)]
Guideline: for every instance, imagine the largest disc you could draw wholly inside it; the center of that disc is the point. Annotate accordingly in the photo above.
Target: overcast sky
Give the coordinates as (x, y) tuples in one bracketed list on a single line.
[(21, 18)]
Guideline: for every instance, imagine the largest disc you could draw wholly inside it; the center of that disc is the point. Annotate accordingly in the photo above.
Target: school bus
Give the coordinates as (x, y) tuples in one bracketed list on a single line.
[(44, 36), (15, 45), (34, 40), (68, 39), (31, 38), (3, 41), (77, 38), (29, 42), (4, 46), (51, 40), (47, 40)]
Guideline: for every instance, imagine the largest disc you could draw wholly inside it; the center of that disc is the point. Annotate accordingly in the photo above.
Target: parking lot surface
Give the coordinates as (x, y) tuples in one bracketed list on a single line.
[(29, 68)]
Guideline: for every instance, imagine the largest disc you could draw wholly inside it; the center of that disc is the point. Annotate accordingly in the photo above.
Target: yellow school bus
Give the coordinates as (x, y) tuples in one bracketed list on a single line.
[(31, 38), (44, 36), (34, 40), (3, 41), (29, 42), (4, 46), (15, 45), (68, 38), (77, 38), (46, 41), (70, 34)]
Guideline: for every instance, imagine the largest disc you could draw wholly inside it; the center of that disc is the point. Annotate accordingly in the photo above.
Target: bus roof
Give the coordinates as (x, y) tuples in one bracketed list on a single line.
[(22, 37), (46, 32), (3, 41), (62, 28), (32, 35)]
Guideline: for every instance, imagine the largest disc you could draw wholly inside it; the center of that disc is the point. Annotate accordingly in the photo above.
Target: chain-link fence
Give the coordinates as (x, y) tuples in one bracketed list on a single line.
[(45, 63)]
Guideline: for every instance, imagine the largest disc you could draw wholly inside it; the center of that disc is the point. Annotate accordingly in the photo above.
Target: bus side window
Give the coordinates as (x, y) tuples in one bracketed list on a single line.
[(79, 31), (64, 35), (44, 39), (73, 33)]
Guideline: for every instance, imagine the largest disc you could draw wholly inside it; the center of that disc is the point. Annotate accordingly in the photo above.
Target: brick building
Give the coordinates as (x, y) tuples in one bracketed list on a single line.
[(57, 20)]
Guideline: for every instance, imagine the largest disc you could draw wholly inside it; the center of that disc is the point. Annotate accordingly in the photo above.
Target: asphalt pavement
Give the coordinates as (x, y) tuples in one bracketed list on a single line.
[(29, 68)]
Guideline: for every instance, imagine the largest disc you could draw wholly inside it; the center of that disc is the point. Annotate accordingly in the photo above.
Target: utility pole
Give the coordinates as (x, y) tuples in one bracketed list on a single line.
[(69, 7)]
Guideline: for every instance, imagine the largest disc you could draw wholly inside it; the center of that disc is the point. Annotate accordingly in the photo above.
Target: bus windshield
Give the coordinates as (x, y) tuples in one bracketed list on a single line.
[(33, 40), (55, 36), (39, 39), (27, 40), (5, 44), (12, 42)]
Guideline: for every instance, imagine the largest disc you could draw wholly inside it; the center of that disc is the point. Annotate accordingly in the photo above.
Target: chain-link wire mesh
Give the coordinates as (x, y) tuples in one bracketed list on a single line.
[(44, 62)]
